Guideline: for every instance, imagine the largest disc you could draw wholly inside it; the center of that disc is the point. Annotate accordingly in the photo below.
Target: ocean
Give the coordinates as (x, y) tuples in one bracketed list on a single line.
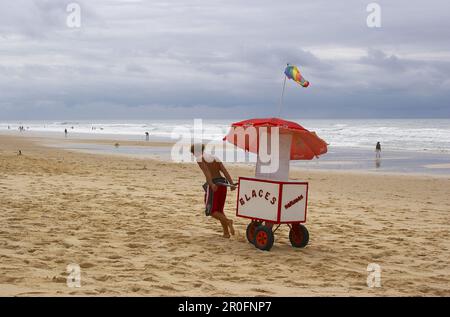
[(394, 134), (409, 145)]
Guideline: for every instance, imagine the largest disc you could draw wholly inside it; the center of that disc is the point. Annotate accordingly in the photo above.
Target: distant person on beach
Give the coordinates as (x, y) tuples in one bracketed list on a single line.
[(147, 136), (378, 150), (215, 193), (65, 132)]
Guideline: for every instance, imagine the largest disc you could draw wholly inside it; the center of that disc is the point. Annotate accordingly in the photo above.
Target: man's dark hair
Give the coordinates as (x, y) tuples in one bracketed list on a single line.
[(196, 147)]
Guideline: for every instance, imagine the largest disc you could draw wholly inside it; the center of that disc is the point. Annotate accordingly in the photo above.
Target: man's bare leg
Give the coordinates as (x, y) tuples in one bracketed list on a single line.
[(230, 226), (226, 223)]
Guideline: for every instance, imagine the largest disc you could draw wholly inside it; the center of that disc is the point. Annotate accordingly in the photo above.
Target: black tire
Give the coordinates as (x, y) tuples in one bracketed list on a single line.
[(299, 236), (251, 228), (263, 238)]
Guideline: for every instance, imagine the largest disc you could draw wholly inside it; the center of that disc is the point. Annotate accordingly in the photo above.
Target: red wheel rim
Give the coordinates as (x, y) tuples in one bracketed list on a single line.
[(297, 236), (261, 238)]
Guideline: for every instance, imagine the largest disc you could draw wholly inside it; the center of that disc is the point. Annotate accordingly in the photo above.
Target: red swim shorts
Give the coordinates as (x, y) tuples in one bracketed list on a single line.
[(215, 200)]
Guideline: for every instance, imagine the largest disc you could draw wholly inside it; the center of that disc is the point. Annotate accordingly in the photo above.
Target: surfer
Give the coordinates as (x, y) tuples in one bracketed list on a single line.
[(215, 187)]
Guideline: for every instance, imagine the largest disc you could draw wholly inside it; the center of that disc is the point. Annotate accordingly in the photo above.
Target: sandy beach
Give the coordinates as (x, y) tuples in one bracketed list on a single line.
[(137, 227)]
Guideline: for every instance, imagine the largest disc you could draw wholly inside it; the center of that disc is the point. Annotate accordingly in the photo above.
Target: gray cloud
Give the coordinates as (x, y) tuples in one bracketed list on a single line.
[(223, 58)]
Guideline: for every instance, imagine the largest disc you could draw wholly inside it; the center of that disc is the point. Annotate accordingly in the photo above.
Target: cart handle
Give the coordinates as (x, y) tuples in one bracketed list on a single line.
[(227, 184)]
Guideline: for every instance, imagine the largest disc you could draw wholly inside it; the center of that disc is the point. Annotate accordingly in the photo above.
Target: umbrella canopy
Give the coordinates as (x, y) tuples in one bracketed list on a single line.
[(305, 145)]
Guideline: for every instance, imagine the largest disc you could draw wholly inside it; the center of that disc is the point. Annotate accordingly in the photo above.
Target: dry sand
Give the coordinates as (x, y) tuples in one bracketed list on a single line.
[(137, 227)]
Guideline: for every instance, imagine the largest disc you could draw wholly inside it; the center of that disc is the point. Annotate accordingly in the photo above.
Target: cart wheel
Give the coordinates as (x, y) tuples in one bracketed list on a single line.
[(299, 236), (251, 231), (263, 238)]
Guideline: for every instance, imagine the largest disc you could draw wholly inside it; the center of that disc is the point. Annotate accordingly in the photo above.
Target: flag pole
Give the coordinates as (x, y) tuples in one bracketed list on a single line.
[(280, 105)]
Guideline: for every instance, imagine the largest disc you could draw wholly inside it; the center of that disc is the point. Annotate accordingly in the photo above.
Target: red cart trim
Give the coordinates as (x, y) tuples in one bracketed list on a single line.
[(306, 202), (269, 181), (237, 196), (280, 199)]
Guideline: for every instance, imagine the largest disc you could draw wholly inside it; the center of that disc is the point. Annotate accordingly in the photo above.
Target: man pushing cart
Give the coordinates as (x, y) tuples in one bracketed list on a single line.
[(215, 187), (269, 198)]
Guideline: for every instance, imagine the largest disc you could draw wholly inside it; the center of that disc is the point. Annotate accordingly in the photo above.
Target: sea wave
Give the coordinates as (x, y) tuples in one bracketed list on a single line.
[(394, 134)]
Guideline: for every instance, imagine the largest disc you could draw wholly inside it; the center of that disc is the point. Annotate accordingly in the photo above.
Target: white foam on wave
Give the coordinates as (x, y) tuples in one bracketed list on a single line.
[(394, 134)]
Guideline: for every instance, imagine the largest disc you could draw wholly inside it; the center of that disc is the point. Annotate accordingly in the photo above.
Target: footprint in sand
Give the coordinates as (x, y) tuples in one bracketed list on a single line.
[(113, 257), (135, 245), (86, 265), (59, 279), (260, 290), (102, 278)]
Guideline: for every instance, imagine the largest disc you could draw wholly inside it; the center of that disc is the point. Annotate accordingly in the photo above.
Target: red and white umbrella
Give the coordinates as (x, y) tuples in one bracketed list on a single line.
[(305, 145)]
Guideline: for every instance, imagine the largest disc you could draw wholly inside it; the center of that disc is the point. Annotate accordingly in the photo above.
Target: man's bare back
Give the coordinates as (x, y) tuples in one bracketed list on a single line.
[(213, 167)]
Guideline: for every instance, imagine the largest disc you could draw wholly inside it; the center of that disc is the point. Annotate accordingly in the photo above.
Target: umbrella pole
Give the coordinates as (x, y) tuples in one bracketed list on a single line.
[(280, 106)]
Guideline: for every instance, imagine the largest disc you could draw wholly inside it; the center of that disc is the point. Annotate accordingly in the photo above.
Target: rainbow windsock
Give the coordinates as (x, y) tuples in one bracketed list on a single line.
[(293, 73)]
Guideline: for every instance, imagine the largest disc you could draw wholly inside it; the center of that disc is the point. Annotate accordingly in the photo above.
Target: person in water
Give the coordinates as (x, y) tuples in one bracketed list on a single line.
[(378, 150), (215, 187)]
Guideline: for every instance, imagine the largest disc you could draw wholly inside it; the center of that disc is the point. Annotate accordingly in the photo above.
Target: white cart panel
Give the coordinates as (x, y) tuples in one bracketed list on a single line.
[(258, 199), (293, 202)]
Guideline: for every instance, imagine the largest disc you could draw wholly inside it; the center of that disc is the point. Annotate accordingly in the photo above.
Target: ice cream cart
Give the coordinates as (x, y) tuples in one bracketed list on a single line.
[(270, 199)]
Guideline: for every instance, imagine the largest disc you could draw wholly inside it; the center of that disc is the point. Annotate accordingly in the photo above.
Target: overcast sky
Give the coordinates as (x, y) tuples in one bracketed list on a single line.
[(223, 58)]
